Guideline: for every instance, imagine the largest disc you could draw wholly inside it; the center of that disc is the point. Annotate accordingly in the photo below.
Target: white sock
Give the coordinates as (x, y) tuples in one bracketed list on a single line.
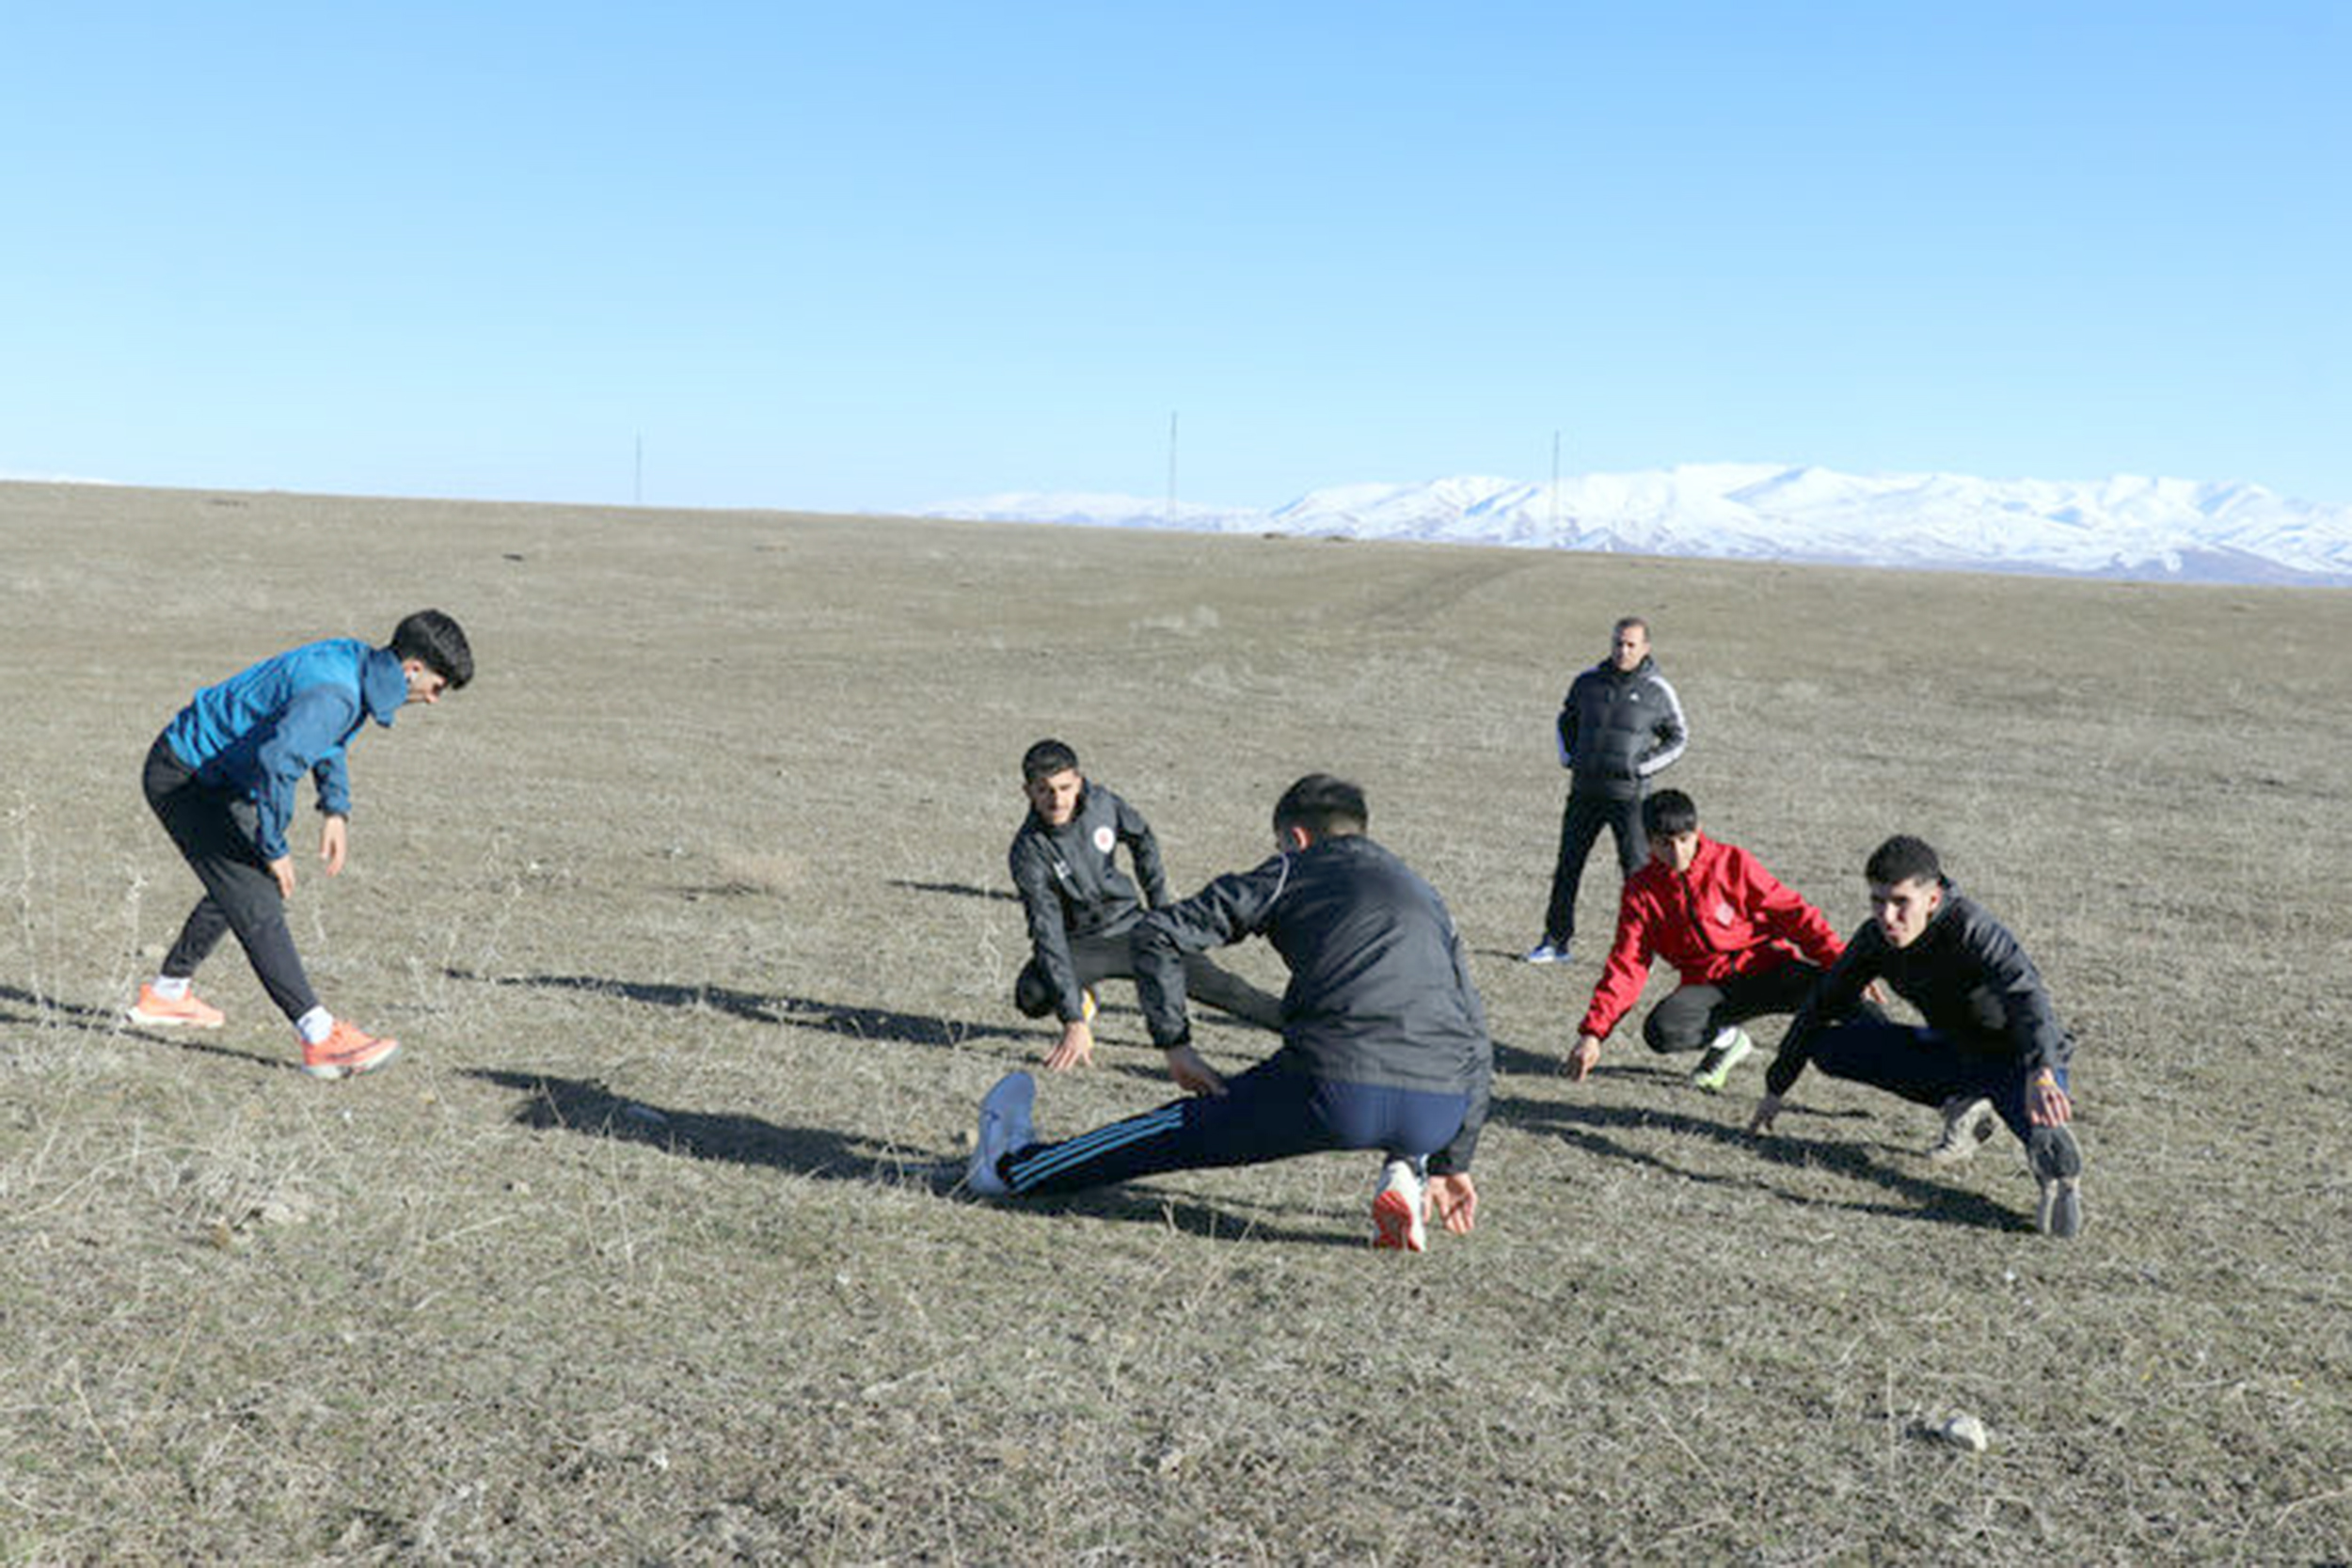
[(315, 1025), (172, 987)]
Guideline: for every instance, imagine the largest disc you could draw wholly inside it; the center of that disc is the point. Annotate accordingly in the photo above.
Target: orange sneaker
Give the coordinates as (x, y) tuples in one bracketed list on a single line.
[(346, 1053), (1400, 1210), (190, 1012)]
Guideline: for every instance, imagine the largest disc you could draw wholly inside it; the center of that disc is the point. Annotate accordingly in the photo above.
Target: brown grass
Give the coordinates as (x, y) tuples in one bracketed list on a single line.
[(693, 916)]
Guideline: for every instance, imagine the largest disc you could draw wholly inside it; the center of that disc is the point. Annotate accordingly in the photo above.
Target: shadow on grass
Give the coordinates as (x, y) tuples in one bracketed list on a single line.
[(1530, 1064), (1921, 1198), (587, 1107), (1193, 1215), (590, 1109), (49, 1013), (798, 1012), (962, 889)]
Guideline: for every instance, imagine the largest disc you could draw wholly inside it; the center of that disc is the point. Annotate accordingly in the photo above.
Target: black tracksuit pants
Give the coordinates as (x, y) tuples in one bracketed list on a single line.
[(1581, 822), (1693, 1015), (1101, 957), (214, 832)]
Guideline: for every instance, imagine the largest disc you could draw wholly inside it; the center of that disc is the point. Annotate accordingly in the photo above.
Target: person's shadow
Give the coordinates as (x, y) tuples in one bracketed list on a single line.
[(960, 890), (48, 1012), (587, 1108), (800, 1012), (1591, 1128), (45, 1012)]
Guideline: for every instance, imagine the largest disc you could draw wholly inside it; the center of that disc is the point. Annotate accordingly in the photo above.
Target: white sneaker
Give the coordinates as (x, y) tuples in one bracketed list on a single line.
[(1728, 1049), (1968, 1122), (1548, 952), (1004, 1126), (1400, 1210)]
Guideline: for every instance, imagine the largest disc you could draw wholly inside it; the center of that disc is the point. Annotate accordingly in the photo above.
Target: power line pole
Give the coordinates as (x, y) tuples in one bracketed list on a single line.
[(1555, 482)]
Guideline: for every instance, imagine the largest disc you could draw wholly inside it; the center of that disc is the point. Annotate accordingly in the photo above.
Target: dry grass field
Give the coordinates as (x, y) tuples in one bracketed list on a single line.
[(693, 918)]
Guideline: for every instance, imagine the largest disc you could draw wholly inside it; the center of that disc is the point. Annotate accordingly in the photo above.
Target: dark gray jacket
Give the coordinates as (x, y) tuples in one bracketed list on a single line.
[(1379, 990), (1966, 976), (1071, 884), (1617, 727)]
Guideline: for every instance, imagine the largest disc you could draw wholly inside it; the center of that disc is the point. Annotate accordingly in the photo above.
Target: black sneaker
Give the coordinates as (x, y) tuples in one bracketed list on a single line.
[(2058, 1165)]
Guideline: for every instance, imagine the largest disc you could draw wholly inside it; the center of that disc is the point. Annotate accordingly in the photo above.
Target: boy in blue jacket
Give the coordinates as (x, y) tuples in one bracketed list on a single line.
[(221, 779)]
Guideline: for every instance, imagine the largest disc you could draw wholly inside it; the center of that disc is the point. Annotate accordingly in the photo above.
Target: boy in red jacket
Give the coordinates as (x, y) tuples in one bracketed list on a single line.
[(1744, 945)]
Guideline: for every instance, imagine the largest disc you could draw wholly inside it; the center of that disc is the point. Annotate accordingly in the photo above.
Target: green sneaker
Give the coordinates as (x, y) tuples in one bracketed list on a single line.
[(1727, 1050)]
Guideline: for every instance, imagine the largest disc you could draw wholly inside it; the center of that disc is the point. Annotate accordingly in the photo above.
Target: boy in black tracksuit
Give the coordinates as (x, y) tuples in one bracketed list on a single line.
[(1990, 1035), (1081, 907), (1384, 1038)]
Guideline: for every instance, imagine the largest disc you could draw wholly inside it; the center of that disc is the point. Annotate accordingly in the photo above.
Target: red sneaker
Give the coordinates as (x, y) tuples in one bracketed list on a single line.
[(347, 1052), (189, 1012)]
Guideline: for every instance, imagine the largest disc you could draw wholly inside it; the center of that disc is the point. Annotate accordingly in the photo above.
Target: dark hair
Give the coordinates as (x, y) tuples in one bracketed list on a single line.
[(1045, 759), (1904, 859), (1668, 813), (439, 642), (1630, 623), (1324, 805)]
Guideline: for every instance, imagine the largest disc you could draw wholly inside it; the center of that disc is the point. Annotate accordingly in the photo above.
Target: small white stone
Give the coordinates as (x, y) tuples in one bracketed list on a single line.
[(1964, 1431)]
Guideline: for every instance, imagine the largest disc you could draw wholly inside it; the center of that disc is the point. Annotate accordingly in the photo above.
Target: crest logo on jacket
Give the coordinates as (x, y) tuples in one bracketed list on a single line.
[(1105, 839)]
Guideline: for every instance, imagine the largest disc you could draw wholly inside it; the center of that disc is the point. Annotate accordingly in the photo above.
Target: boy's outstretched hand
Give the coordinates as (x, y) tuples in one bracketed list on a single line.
[(1192, 1074), (1454, 1201), (1074, 1048)]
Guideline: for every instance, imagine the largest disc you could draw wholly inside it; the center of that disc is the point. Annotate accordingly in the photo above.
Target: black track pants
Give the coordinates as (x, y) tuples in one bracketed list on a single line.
[(214, 832)]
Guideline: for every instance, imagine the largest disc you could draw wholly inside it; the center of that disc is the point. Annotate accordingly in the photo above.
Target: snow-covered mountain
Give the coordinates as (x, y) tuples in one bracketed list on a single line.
[(2152, 530)]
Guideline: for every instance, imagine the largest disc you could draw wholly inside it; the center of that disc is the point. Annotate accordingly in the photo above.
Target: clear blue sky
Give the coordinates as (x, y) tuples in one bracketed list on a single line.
[(873, 256)]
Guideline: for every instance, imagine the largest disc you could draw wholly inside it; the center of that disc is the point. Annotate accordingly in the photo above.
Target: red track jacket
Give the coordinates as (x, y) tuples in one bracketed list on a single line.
[(1726, 915)]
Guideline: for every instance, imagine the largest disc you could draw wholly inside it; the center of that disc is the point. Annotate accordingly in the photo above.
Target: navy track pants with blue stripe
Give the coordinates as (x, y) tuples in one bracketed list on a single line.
[(1271, 1112)]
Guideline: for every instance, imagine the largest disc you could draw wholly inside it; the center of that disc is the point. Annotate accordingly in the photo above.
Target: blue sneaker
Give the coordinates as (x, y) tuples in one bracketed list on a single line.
[(1548, 952)]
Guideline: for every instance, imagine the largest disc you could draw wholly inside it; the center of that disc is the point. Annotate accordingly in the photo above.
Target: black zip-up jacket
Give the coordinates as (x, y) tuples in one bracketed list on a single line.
[(1617, 727), (1071, 884), (1379, 990), (1965, 973)]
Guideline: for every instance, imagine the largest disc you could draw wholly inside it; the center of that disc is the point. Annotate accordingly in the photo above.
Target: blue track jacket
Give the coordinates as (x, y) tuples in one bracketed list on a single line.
[(262, 729)]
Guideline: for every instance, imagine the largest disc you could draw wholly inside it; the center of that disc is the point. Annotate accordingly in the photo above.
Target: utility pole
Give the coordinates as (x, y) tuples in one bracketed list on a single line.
[(1555, 483)]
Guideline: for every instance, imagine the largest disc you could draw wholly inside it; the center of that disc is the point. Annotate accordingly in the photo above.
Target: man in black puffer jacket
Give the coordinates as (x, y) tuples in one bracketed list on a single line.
[(1620, 726)]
